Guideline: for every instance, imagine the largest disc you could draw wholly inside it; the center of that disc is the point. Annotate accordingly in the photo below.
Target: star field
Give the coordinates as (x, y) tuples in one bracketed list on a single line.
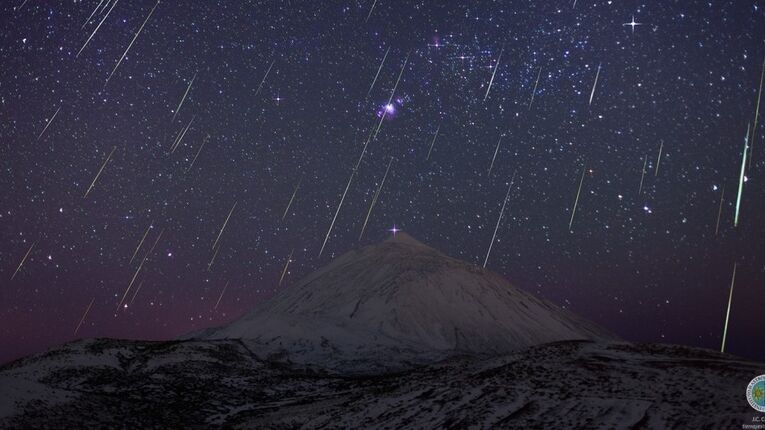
[(281, 99)]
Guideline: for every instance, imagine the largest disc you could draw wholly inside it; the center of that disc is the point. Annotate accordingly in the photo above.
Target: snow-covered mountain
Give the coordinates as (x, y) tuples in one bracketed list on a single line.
[(396, 303), (320, 355)]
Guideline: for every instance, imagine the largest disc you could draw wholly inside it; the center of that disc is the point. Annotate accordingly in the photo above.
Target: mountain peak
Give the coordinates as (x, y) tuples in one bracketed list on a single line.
[(400, 301), (404, 238)]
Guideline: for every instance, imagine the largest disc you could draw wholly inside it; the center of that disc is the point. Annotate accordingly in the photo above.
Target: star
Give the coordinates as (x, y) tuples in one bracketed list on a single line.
[(394, 230), (632, 23)]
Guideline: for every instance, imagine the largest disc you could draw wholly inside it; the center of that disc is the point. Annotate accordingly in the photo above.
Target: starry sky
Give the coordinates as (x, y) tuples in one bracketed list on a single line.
[(285, 95)]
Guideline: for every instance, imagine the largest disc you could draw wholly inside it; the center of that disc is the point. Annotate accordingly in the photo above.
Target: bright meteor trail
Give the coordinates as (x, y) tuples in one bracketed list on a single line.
[(501, 212), (378, 70), (131, 43), (727, 314), (741, 178), (374, 199), (491, 81), (595, 84), (178, 109), (576, 202), (23, 260), (99, 173), (329, 231), (224, 225)]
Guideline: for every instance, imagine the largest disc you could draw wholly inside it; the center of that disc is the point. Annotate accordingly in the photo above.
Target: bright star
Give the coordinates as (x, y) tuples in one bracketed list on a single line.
[(632, 23)]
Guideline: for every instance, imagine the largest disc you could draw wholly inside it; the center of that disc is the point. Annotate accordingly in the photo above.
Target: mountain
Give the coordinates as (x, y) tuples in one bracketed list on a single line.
[(108, 383), (394, 335), (399, 303)]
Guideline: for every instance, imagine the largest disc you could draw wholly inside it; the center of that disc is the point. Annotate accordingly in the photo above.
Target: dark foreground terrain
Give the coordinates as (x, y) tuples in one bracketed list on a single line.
[(573, 384)]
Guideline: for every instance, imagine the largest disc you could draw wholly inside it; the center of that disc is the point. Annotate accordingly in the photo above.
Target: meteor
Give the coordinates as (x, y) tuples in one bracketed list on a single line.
[(658, 159), (433, 142), (756, 113), (91, 15), (23, 260), (84, 315), (379, 68), (719, 211), (642, 174), (390, 99), (184, 97), (212, 260), (49, 123), (595, 84), (727, 314), (491, 81), (181, 135), (576, 202), (99, 173), (135, 293), (198, 152), (741, 178), (329, 231), (221, 296), (496, 150), (97, 27), (537, 83), (370, 10), (264, 77), (140, 266), (140, 243), (224, 225), (131, 43), (286, 265), (374, 199), (501, 212), (286, 210)]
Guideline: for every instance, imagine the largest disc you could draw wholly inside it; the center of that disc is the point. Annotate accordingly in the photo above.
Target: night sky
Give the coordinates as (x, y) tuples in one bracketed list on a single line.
[(645, 262)]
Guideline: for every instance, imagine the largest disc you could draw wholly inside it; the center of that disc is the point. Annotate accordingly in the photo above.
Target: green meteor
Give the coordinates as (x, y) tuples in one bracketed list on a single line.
[(741, 178)]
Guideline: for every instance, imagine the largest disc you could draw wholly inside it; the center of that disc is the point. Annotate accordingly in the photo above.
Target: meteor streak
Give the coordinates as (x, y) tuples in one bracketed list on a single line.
[(181, 135), (23, 260), (496, 150), (97, 27), (264, 77), (131, 43), (374, 199), (49, 123), (595, 84), (224, 225), (198, 152), (286, 210), (140, 266), (140, 243), (741, 178), (91, 15), (727, 314), (756, 113), (221, 296), (433, 142), (658, 159), (329, 231), (501, 212), (370, 10), (82, 320), (390, 99), (99, 173), (537, 83), (719, 211), (378, 69), (286, 265), (642, 174), (491, 81), (184, 97), (212, 260), (135, 293), (576, 202)]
